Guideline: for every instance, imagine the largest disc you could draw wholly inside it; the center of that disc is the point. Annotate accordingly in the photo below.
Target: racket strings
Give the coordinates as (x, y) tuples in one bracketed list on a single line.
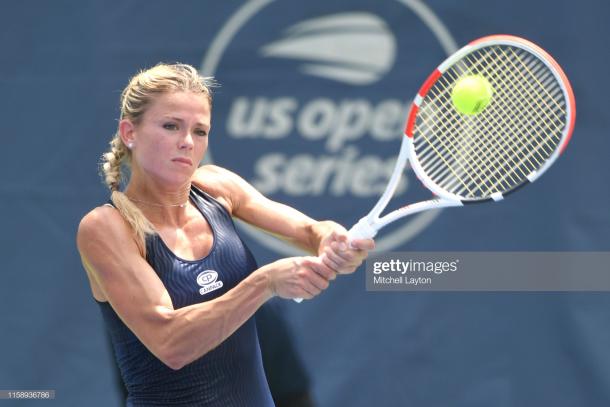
[(495, 150), (444, 169), (468, 146), (541, 127), (511, 124), (451, 148), (538, 126), (513, 98), (534, 99), (478, 148), (503, 155), (557, 103)]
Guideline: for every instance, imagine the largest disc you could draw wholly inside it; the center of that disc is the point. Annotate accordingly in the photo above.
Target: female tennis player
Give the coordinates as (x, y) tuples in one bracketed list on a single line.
[(176, 285)]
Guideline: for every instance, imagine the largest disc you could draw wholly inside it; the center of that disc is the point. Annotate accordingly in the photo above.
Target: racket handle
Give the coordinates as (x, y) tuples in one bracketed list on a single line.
[(364, 229)]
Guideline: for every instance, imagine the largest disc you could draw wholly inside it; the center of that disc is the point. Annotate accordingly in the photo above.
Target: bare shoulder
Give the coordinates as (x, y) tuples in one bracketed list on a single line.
[(216, 175), (224, 185), (103, 232), (102, 235), (103, 222)]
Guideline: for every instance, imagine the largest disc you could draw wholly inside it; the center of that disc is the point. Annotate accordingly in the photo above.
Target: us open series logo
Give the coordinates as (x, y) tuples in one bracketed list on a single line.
[(317, 95)]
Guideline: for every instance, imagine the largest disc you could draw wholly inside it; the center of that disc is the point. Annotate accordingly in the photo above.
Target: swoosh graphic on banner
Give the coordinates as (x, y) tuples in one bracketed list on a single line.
[(353, 48)]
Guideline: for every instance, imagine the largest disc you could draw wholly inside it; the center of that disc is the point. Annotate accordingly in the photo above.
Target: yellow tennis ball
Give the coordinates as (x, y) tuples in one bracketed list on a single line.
[(471, 94)]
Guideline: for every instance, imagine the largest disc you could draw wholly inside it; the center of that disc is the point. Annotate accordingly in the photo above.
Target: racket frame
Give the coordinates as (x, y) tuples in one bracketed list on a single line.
[(369, 225)]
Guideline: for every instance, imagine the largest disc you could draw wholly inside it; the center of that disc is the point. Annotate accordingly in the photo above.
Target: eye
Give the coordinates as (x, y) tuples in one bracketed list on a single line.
[(201, 132), (170, 126)]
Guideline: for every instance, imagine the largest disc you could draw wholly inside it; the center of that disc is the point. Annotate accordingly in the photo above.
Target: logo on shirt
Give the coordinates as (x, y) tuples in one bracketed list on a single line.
[(207, 280)]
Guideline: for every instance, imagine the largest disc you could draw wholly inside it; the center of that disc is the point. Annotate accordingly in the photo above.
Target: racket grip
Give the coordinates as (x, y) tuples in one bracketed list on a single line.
[(362, 230)]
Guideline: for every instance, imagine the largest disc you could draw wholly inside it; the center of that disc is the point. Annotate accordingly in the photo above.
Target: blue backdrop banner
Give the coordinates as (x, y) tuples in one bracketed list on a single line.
[(311, 108)]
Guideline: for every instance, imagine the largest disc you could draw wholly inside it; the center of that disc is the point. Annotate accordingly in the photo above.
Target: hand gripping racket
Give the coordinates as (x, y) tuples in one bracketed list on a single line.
[(483, 157)]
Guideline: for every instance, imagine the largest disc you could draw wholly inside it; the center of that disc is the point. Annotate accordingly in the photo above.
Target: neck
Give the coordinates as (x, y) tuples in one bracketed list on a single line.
[(161, 204), (159, 198), (179, 205)]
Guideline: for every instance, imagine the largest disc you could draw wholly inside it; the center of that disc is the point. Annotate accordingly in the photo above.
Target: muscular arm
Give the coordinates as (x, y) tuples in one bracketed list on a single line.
[(176, 337), (249, 205)]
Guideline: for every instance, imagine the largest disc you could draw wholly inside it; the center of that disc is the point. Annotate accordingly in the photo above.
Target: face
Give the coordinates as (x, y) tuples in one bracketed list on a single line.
[(171, 138)]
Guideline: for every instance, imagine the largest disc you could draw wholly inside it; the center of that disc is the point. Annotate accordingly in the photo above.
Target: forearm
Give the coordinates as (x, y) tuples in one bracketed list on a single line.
[(291, 225), (308, 234), (197, 329), (303, 231)]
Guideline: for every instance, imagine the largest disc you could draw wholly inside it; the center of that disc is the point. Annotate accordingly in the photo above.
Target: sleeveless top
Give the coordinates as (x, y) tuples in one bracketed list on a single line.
[(231, 374)]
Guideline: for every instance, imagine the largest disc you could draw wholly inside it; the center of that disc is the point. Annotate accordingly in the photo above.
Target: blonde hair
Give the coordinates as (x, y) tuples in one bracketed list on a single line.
[(135, 99)]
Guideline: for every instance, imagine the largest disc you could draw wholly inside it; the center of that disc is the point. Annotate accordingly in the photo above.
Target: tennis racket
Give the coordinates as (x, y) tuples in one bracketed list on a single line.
[(464, 159)]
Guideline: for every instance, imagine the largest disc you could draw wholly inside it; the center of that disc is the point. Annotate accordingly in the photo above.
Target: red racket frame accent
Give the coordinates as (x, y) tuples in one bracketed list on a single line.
[(415, 105), (411, 120)]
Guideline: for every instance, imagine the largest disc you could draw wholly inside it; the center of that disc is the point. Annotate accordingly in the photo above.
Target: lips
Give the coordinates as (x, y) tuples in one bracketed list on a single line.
[(183, 160)]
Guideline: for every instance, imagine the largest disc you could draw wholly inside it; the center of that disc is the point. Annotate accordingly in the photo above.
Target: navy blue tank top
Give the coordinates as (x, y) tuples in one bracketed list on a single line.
[(231, 374)]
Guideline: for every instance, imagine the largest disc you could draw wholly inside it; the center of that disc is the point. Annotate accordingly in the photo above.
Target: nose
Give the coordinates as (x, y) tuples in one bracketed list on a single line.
[(186, 142)]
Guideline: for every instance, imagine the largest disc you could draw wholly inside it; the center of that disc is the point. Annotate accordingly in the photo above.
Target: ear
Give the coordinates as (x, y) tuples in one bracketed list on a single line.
[(127, 132)]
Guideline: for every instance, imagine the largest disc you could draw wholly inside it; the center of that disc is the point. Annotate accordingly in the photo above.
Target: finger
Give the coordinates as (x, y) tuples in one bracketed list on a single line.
[(334, 261), (332, 237), (313, 281), (320, 266), (342, 249), (316, 264), (305, 292), (343, 238), (305, 285), (328, 262), (348, 267), (334, 255), (350, 254), (316, 280), (363, 244), (301, 289), (343, 261)]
